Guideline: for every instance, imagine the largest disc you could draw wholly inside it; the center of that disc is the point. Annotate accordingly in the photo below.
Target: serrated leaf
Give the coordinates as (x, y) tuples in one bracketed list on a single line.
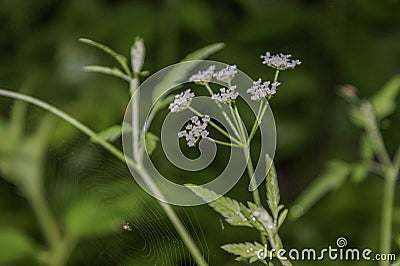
[(246, 250), (273, 196), (151, 141), (14, 245), (118, 57), (251, 218), (282, 217), (384, 101), (225, 206), (263, 217), (333, 177), (108, 71), (177, 73)]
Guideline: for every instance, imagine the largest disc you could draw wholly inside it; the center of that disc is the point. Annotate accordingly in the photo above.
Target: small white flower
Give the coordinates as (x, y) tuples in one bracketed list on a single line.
[(226, 74), (226, 95), (280, 61), (260, 90), (196, 130), (203, 76), (181, 101)]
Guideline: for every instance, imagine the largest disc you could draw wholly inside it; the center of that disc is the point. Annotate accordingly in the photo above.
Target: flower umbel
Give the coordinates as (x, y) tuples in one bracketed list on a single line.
[(226, 95), (181, 101), (260, 89), (226, 74), (203, 77), (280, 61), (195, 130)]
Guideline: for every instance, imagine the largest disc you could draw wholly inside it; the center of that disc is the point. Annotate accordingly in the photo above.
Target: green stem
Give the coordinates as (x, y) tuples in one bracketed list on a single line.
[(387, 214), (276, 76), (223, 111), (46, 220), (241, 128), (117, 153), (256, 194), (390, 173), (257, 122), (225, 143), (219, 129)]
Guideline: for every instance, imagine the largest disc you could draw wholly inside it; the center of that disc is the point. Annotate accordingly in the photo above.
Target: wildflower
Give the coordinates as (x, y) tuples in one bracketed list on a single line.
[(181, 101), (195, 130), (261, 90), (226, 74), (203, 76), (280, 61), (127, 227), (226, 95)]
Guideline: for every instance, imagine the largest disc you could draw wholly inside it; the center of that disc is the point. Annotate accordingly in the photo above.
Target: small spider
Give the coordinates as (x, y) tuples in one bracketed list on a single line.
[(126, 226)]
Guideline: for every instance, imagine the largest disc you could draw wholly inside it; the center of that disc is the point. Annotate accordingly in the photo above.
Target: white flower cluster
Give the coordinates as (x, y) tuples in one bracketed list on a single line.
[(203, 76), (181, 101), (226, 74), (226, 95), (195, 130), (279, 61), (260, 89)]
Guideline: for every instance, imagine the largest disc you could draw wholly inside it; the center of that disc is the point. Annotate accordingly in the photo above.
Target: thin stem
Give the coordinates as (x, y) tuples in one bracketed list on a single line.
[(236, 122), (241, 128), (225, 143), (223, 111), (257, 122), (218, 128), (135, 118), (390, 174), (276, 76), (46, 220), (256, 194), (117, 153), (387, 214)]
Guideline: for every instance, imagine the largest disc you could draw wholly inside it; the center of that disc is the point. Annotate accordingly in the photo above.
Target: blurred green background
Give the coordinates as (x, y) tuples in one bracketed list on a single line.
[(339, 42)]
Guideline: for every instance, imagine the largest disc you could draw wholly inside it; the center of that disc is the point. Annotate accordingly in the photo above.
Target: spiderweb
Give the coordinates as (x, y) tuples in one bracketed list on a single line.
[(83, 170)]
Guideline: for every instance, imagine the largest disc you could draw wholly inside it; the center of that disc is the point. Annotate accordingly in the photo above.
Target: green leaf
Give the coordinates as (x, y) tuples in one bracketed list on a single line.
[(333, 177), (359, 172), (384, 101), (14, 245), (282, 218), (108, 71), (118, 57), (225, 206), (263, 217), (151, 141), (114, 132), (88, 218), (247, 250), (177, 73), (103, 210), (273, 196), (252, 219)]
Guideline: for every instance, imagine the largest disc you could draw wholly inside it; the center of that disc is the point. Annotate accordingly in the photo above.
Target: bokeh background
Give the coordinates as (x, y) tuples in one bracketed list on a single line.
[(339, 42)]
